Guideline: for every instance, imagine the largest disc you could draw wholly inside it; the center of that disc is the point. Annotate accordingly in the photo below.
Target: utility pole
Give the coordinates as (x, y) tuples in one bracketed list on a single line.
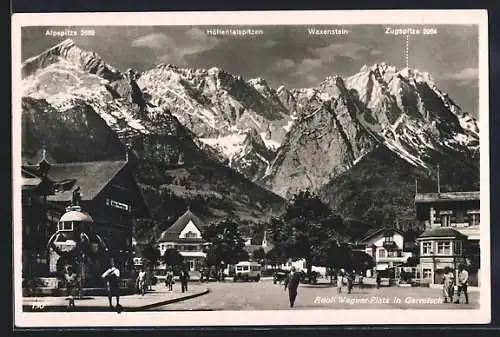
[(439, 184)]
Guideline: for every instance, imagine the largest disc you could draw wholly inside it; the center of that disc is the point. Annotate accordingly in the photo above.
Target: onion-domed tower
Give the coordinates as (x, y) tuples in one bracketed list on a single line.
[(76, 243)]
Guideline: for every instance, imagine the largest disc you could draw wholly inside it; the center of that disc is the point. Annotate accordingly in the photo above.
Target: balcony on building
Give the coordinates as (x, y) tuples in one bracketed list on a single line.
[(457, 210)]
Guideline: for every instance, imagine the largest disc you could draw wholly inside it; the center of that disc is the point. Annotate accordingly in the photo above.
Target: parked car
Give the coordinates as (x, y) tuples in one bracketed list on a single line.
[(280, 276), (209, 274), (312, 279)]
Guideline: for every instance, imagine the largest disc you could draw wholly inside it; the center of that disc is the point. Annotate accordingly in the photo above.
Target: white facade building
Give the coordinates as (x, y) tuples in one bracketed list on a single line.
[(185, 236), (385, 246)]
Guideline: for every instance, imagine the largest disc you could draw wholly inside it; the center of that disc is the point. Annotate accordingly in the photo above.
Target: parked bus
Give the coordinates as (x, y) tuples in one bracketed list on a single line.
[(247, 271)]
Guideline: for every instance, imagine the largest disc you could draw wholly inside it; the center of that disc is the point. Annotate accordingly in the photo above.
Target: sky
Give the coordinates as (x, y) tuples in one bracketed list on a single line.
[(284, 55)]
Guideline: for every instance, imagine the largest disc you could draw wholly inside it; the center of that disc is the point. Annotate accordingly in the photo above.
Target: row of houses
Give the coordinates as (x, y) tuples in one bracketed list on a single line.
[(450, 238), (109, 192)]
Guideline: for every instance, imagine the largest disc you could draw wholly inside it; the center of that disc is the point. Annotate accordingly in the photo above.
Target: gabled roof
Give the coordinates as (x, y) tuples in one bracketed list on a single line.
[(173, 232), (91, 177), (441, 232), (42, 154), (372, 232), (448, 196), (32, 181)]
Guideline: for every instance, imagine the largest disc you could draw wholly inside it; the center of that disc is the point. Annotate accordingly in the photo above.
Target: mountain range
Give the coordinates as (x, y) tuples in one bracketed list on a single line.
[(241, 147)]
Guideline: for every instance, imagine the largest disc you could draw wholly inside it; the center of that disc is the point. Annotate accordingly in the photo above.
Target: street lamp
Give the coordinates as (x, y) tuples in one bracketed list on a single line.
[(45, 190)]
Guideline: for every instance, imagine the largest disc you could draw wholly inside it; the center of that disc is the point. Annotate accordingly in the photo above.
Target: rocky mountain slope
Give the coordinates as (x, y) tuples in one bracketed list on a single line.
[(346, 119), (380, 189), (83, 109), (232, 116)]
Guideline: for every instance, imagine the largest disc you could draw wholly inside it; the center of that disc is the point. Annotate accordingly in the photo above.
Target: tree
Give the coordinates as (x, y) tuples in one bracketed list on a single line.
[(172, 257), (226, 242), (259, 254), (152, 254), (274, 257), (308, 230)]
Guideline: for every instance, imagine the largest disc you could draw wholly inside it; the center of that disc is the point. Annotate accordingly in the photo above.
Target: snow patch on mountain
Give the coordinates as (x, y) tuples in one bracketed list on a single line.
[(270, 143), (230, 145)]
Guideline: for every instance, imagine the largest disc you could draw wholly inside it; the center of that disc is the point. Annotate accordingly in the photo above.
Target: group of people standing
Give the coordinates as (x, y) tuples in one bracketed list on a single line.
[(349, 278), (73, 284), (292, 282), (449, 284), (183, 278)]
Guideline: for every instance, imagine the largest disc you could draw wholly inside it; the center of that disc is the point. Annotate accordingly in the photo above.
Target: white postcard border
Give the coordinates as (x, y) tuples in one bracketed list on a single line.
[(249, 318)]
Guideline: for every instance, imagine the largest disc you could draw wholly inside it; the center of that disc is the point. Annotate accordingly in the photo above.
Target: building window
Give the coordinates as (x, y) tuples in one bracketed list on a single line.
[(457, 248), (65, 226), (444, 248), (393, 253), (474, 219), (191, 235), (426, 248), (388, 237), (445, 220), (427, 273), (460, 216), (381, 252)]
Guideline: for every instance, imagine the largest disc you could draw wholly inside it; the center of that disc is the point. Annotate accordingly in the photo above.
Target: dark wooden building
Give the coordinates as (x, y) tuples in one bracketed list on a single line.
[(109, 194)]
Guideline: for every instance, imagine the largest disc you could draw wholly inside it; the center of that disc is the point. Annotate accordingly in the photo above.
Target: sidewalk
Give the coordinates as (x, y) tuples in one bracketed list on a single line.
[(157, 297)]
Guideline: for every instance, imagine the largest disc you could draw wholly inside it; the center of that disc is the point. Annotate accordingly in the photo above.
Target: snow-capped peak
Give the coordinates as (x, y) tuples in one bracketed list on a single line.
[(69, 51), (214, 71), (258, 81)]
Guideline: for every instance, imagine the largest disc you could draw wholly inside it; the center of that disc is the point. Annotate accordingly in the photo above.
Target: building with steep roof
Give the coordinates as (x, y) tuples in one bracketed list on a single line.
[(452, 232), (386, 247), (250, 247), (185, 235), (107, 190)]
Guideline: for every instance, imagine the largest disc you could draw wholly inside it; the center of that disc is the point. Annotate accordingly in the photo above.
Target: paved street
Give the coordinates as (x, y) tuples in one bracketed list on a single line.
[(134, 302), (265, 295)]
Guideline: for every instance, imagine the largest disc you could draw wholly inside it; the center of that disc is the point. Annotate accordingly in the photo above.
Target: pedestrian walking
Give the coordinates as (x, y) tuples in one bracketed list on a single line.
[(169, 279), (360, 278), (378, 279), (292, 283), (71, 286), (141, 281), (448, 284), (112, 277), (463, 281), (350, 281), (184, 280), (340, 281), (149, 279)]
